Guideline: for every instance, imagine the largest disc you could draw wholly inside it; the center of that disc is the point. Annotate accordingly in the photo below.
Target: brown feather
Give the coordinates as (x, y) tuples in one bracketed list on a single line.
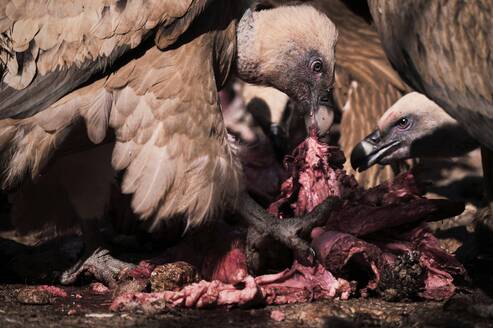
[(81, 38), (184, 160), (96, 114), (444, 50)]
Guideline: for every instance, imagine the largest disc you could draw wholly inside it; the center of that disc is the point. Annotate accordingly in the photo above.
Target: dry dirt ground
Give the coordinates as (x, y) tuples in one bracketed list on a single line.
[(470, 307), (81, 309)]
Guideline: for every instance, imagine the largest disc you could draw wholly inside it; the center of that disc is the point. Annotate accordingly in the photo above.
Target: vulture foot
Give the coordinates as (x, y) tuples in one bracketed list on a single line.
[(100, 264), (293, 233)]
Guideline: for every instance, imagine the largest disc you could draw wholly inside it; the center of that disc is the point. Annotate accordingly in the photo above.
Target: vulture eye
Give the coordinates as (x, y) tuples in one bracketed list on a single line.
[(317, 66), (403, 123)]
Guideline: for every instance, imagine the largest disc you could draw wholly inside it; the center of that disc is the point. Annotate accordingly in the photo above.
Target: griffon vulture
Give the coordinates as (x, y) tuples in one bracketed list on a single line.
[(443, 49), (145, 75), (413, 127), (365, 85)]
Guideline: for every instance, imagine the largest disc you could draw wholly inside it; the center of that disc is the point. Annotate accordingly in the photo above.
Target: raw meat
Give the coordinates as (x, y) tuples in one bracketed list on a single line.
[(373, 243)]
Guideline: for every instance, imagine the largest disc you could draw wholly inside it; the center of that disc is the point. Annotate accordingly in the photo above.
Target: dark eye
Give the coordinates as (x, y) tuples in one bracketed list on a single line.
[(403, 123), (317, 66)]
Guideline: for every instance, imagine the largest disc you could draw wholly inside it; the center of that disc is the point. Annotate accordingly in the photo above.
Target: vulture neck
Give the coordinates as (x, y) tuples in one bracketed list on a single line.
[(247, 67)]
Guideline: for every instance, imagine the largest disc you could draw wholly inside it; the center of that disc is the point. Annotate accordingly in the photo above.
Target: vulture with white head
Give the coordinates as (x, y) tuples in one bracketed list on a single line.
[(413, 127), (443, 49), (365, 85), (144, 77)]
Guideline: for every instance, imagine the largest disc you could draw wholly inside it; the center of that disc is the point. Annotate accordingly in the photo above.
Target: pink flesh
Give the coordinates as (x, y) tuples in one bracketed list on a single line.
[(315, 173), (53, 290)]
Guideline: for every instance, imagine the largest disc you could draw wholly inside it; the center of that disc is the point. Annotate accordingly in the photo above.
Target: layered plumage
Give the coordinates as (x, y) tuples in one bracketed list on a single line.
[(48, 44), (444, 50), (173, 166), (143, 76)]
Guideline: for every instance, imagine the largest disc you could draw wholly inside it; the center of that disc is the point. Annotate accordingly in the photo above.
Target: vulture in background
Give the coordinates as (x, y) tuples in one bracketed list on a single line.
[(413, 127), (134, 84), (366, 85), (444, 50)]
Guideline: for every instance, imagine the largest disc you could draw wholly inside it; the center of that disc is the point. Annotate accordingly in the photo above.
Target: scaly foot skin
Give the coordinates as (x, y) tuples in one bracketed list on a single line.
[(290, 232), (101, 265)]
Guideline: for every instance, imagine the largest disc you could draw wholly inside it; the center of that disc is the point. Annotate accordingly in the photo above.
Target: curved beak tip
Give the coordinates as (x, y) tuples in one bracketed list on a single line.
[(358, 158), (372, 151)]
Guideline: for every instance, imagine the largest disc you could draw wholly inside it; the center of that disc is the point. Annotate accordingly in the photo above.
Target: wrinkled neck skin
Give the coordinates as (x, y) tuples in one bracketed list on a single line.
[(247, 69)]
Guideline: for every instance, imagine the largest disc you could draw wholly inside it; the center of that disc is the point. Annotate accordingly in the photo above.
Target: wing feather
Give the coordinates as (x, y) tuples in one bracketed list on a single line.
[(96, 114), (66, 43), (170, 138), (163, 107)]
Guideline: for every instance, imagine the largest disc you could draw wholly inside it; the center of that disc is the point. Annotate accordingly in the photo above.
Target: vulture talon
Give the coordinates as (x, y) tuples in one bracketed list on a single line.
[(100, 264), (290, 232), (254, 260), (260, 244)]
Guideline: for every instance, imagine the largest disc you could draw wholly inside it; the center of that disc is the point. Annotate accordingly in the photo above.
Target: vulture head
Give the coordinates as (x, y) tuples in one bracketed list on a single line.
[(413, 127), (290, 48)]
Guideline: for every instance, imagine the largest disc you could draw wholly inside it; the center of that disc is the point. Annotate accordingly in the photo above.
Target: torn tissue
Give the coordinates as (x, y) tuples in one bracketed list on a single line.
[(375, 243)]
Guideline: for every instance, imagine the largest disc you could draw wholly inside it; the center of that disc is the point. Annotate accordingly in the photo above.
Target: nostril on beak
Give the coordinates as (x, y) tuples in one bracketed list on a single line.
[(325, 99), (375, 136)]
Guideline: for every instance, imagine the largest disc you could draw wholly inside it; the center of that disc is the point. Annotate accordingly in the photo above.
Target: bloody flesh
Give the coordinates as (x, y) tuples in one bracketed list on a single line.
[(364, 247)]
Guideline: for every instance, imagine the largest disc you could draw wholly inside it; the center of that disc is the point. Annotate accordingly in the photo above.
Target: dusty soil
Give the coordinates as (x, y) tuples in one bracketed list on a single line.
[(83, 309)]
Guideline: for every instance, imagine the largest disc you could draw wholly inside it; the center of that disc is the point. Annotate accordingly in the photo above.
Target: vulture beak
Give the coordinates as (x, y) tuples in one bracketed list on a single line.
[(321, 115), (371, 150)]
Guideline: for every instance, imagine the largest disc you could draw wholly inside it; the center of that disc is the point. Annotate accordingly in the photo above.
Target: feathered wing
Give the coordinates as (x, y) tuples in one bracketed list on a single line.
[(162, 103), (170, 136), (366, 84), (60, 45), (74, 43)]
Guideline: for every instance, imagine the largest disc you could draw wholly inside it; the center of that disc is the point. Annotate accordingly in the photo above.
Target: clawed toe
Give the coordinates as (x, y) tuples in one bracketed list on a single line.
[(284, 232), (100, 264), (293, 233)]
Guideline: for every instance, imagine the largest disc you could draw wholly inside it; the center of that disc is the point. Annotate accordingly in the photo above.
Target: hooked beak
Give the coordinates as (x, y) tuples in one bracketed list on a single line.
[(370, 151), (321, 115)]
